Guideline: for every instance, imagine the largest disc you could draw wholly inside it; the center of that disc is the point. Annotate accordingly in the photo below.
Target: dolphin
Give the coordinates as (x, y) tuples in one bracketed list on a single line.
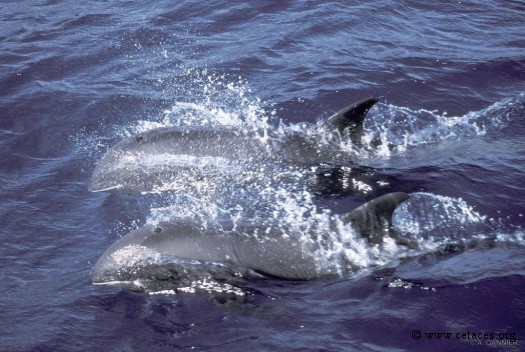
[(276, 256), (157, 156)]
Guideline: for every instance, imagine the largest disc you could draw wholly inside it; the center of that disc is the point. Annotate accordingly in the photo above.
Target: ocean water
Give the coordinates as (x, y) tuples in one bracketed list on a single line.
[(77, 77)]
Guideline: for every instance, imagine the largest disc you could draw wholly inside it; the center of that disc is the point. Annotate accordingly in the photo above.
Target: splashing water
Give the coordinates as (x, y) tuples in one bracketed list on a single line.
[(432, 219), (395, 130)]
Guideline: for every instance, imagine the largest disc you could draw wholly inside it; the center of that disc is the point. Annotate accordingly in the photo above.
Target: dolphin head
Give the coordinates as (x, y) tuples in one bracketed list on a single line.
[(120, 260), (158, 257), (111, 169)]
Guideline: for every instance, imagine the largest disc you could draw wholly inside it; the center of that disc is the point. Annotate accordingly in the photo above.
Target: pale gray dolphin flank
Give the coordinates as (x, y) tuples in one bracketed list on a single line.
[(279, 256), (182, 152)]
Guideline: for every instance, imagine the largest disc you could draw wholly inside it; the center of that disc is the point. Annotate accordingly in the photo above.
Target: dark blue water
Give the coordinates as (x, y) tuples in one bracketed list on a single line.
[(76, 77)]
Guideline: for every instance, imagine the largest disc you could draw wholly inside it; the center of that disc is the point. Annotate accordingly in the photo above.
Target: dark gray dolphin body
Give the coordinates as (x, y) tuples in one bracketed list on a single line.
[(278, 256), (193, 151)]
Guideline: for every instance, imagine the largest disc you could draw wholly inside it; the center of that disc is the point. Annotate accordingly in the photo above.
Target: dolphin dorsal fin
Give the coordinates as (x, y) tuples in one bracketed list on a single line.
[(351, 118), (374, 219)]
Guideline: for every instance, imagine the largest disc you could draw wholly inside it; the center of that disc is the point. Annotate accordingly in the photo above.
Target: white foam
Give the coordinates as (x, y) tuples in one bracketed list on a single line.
[(205, 285), (425, 212)]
